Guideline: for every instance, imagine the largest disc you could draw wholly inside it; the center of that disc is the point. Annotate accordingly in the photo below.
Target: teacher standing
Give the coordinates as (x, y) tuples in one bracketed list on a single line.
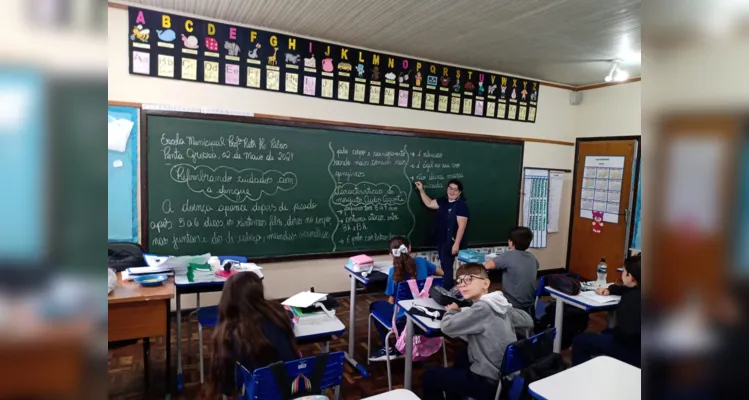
[(450, 225)]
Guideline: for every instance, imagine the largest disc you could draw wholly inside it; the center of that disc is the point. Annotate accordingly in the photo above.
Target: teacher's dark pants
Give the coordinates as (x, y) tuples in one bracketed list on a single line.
[(447, 259)]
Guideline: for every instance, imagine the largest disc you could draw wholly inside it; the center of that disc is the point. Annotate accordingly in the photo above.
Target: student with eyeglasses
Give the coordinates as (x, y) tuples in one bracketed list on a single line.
[(488, 326), (451, 222)]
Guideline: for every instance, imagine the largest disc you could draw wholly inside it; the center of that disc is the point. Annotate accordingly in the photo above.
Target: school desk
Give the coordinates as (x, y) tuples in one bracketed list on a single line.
[(42, 358), (375, 277), (184, 286), (137, 312), (319, 332), (397, 394), (430, 327), (584, 303), (599, 378)]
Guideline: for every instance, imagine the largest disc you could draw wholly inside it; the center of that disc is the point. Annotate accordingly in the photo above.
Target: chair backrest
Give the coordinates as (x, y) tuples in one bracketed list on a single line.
[(514, 361), (403, 292), (541, 289), (260, 383), (223, 259)]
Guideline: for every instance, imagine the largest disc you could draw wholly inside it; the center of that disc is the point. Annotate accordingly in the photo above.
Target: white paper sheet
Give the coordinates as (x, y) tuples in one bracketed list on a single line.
[(154, 260), (147, 270), (600, 299), (179, 264), (556, 181), (304, 299), (118, 132), (248, 267)]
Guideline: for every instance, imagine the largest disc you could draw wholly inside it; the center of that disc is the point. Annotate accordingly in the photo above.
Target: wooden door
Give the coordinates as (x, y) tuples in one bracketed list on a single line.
[(601, 168), (694, 245)]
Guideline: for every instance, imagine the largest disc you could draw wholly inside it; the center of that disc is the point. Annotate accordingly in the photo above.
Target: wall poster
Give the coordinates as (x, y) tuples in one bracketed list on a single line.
[(602, 188)]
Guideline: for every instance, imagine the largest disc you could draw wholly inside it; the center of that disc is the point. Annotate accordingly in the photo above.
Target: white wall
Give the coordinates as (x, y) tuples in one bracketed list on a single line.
[(555, 121), (609, 111)]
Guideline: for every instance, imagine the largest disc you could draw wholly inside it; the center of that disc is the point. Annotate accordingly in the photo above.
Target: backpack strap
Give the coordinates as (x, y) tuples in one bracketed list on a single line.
[(425, 292), (318, 371), (414, 288), (281, 376)]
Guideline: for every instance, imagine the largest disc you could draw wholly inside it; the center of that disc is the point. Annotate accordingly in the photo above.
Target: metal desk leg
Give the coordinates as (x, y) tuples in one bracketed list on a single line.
[(409, 352), (611, 319), (326, 347), (168, 343), (558, 317), (351, 318), (180, 382), (351, 338)]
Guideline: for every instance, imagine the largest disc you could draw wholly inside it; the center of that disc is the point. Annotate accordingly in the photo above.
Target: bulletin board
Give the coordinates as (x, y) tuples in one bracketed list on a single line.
[(122, 171)]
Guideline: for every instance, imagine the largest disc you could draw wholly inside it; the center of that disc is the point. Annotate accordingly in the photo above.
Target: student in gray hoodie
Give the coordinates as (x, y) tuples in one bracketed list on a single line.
[(488, 326)]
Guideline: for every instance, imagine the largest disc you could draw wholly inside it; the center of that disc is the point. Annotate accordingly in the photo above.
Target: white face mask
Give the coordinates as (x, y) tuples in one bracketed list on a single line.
[(400, 250)]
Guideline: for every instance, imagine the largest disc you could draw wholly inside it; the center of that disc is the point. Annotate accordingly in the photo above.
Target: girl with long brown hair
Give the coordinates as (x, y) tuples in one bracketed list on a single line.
[(404, 268), (251, 330)]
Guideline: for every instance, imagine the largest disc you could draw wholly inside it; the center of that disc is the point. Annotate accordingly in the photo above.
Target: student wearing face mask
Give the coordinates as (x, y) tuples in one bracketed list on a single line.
[(451, 222)]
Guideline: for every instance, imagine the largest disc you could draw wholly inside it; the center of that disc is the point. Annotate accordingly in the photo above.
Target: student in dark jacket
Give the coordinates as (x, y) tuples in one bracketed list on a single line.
[(623, 342), (251, 330)]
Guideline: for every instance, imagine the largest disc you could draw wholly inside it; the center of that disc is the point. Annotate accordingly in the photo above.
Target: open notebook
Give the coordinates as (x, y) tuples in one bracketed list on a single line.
[(600, 299)]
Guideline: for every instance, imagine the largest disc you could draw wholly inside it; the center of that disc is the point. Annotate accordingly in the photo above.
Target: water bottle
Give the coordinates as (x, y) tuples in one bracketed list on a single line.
[(601, 271)]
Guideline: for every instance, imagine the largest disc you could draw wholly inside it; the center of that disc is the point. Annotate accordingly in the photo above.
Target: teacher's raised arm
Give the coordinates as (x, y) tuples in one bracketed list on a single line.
[(429, 202), (451, 223)]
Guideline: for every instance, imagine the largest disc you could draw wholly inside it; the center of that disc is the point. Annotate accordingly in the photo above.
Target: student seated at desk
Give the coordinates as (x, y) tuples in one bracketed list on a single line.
[(488, 326), (623, 342), (519, 268), (404, 268), (251, 330)]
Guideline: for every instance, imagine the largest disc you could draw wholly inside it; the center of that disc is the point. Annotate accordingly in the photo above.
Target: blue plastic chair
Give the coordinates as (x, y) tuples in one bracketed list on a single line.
[(260, 383), (382, 313), (513, 362), (207, 316)]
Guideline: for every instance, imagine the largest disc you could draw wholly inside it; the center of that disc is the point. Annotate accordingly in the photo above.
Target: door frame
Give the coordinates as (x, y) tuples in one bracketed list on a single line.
[(574, 187)]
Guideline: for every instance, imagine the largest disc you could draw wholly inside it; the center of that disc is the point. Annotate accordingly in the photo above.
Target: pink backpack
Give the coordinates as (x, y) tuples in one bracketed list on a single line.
[(423, 347)]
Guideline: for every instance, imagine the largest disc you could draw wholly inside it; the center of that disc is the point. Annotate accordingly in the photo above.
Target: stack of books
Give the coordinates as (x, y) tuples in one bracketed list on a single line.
[(306, 316), (361, 263), (200, 273)]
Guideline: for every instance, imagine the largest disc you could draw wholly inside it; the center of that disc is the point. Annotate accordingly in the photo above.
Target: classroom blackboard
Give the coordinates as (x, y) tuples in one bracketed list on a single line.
[(274, 189)]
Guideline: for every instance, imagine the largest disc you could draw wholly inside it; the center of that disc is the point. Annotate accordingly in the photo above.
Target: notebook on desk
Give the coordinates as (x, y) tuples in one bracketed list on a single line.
[(600, 299)]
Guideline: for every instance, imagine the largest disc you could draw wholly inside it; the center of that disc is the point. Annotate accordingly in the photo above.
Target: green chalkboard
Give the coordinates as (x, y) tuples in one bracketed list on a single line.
[(270, 189)]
